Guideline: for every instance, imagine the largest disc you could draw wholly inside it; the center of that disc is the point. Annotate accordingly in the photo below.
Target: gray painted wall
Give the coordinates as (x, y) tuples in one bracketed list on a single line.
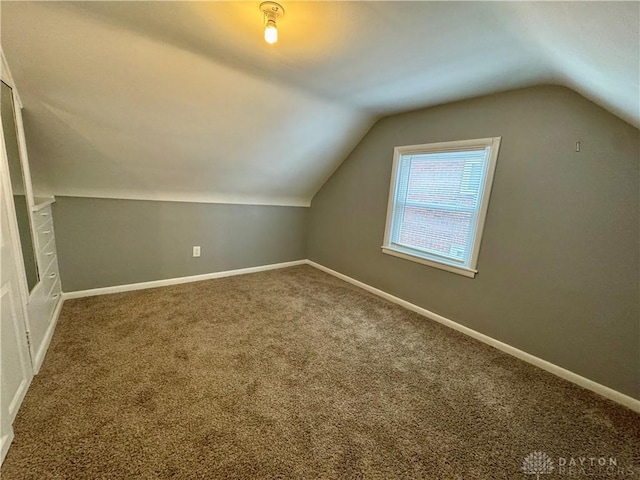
[(105, 242), (559, 262)]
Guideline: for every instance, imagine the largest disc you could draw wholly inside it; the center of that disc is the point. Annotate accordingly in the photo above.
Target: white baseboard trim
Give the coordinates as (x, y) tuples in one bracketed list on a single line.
[(5, 443), (175, 281), (44, 346), (618, 397)]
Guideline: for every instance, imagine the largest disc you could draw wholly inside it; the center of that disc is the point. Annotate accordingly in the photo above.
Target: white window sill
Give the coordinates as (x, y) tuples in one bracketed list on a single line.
[(442, 266)]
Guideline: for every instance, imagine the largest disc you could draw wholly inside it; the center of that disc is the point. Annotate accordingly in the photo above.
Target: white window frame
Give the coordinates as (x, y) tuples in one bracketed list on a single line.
[(468, 270)]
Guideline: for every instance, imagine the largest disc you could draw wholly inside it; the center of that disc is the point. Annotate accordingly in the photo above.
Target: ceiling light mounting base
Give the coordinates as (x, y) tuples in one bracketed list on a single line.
[(272, 10)]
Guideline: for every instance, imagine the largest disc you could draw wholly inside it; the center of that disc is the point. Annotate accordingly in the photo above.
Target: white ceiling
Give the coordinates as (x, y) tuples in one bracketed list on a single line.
[(185, 101)]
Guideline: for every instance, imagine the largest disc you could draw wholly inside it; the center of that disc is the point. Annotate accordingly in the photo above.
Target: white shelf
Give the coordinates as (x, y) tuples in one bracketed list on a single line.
[(41, 202)]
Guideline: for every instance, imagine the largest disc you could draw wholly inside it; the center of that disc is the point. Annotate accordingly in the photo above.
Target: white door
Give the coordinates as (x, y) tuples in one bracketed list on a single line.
[(15, 363)]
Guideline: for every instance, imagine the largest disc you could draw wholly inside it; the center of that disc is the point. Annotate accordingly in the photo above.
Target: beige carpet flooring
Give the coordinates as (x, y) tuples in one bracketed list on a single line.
[(293, 374)]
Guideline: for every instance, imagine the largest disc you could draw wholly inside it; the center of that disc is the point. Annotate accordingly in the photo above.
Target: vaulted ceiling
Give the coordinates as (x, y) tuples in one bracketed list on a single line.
[(185, 100)]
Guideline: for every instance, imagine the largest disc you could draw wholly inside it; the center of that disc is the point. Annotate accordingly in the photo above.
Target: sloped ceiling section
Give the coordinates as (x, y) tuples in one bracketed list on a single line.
[(185, 101)]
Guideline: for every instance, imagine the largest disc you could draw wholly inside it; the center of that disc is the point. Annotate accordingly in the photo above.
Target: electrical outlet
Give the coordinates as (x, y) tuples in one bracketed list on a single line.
[(196, 251)]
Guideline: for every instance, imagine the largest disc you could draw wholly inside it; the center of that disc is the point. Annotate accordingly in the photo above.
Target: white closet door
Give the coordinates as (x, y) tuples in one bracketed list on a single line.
[(15, 363)]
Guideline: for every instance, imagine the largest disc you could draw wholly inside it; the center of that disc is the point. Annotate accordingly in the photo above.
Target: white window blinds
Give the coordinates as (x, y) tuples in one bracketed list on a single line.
[(437, 203)]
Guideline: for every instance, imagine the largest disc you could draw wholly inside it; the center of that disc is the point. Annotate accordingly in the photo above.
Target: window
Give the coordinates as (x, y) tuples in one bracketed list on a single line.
[(438, 202)]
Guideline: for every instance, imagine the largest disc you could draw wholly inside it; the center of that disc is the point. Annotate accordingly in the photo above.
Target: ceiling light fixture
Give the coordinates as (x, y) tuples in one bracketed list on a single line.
[(272, 11)]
